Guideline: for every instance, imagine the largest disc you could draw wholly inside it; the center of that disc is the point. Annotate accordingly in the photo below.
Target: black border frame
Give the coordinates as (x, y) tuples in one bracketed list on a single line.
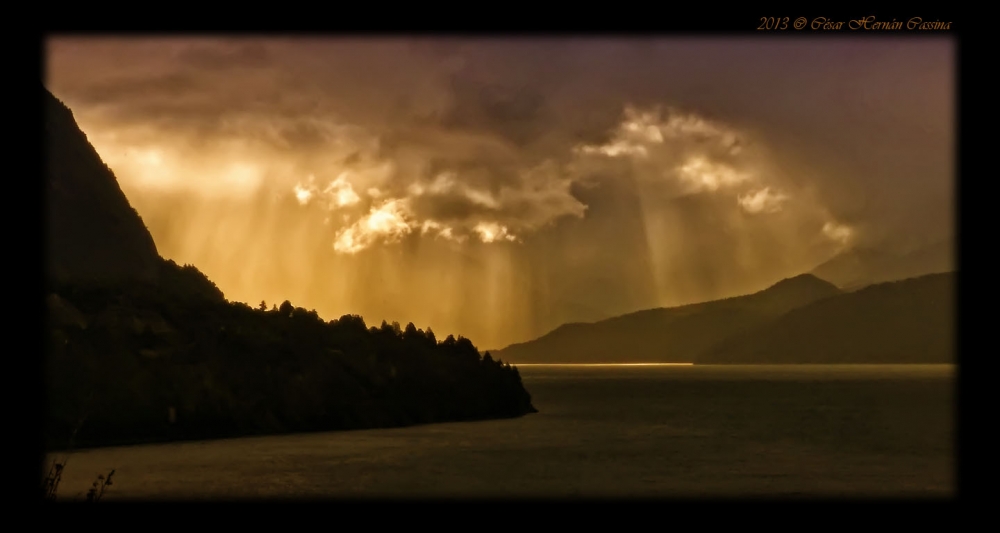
[(720, 23)]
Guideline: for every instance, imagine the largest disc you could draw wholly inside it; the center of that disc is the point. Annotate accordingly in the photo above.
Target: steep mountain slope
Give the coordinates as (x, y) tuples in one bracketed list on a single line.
[(909, 321), (141, 349), (92, 232), (677, 334)]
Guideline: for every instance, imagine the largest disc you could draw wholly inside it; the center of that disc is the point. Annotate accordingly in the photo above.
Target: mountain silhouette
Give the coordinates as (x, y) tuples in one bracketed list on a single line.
[(859, 267), (676, 334), (908, 321), (92, 233), (141, 349)]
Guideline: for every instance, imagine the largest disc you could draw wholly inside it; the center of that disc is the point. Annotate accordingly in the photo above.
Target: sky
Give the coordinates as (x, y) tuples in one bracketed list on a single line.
[(497, 188)]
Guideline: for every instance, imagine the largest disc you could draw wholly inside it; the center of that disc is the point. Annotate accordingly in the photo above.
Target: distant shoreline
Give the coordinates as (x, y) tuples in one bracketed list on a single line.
[(602, 364), (732, 364)]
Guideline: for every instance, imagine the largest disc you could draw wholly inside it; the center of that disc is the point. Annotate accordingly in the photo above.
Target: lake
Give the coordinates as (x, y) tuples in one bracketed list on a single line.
[(602, 431)]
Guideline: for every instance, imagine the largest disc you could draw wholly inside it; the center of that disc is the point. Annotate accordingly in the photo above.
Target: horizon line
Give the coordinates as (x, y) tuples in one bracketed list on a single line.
[(601, 364)]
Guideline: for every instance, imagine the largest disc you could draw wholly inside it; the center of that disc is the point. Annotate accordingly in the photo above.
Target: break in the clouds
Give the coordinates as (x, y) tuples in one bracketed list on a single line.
[(762, 201), (499, 187), (460, 197), (428, 194), (494, 116), (673, 154)]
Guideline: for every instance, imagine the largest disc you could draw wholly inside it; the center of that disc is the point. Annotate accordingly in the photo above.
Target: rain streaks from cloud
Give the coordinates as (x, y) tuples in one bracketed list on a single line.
[(500, 187)]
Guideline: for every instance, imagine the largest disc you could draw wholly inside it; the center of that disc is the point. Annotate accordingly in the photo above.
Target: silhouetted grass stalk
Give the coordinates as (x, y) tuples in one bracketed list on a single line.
[(50, 483)]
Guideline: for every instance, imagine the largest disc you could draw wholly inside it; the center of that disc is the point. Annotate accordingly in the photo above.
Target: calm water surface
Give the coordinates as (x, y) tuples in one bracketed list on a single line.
[(661, 431)]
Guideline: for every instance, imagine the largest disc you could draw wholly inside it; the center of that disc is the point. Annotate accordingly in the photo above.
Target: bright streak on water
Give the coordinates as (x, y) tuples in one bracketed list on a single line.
[(602, 364)]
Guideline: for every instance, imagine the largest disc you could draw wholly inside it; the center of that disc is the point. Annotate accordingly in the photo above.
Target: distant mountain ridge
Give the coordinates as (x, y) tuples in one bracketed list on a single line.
[(800, 320), (677, 334), (859, 267), (907, 321)]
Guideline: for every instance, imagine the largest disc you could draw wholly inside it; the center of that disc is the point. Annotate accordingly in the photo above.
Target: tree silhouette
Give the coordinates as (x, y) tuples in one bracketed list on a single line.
[(233, 370), (221, 368), (410, 333)]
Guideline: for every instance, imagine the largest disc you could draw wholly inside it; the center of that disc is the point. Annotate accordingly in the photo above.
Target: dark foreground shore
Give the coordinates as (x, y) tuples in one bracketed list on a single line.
[(673, 432)]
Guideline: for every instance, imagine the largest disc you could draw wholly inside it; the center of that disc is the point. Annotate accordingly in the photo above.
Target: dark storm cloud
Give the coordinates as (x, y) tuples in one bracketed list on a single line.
[(114, 90), (517, 114), (863, 118), (225, 56), (449, 208), (852, 131)]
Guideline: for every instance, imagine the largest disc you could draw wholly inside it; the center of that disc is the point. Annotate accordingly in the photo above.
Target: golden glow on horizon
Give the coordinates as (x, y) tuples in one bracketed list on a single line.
[(377, 178), (602, 364), (248, 265)]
